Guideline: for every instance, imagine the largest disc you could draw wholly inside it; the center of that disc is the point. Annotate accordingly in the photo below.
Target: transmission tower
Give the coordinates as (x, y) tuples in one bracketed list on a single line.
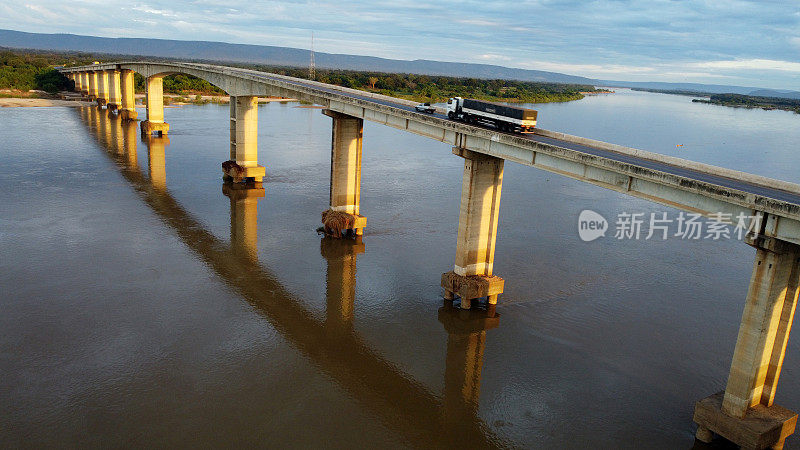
[(311, 71)]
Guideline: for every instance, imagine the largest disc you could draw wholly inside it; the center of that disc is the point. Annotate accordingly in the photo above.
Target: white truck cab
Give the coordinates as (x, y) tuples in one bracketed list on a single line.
[(454, 106)]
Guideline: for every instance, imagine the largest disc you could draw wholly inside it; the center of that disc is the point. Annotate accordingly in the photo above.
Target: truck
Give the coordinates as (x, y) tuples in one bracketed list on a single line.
[(504, 117)]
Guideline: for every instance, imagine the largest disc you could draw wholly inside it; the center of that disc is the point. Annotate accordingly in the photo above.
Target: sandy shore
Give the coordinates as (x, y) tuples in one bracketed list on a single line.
[(39, 102)]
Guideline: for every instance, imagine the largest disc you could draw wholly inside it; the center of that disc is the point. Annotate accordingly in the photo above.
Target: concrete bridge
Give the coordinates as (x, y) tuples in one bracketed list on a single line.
[(743, 413)]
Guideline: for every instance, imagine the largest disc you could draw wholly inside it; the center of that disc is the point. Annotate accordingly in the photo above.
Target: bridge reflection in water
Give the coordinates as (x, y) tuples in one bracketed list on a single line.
[(403, 404)]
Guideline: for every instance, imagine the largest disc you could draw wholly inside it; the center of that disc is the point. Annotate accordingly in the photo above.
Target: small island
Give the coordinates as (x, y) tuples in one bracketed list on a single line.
[(733, 100), (749, 101)]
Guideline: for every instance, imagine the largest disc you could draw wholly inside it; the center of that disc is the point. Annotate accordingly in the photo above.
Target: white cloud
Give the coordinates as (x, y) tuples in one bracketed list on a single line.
[(750, 64), (493, 57), (586, 69)]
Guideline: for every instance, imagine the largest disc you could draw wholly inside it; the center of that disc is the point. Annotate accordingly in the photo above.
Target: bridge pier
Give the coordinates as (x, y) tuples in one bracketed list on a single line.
[(345, 190), (744, 413), (92, 77), (243, 163), (114, 90), (128, 99), (154, 100), (84, 82), (472, 277), (102, 88)]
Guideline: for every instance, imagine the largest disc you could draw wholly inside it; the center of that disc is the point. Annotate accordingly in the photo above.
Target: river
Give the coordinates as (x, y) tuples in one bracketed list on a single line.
[(143, 304)]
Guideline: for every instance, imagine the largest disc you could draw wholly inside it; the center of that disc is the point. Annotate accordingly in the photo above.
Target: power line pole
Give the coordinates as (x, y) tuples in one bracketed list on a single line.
[(311, 70)]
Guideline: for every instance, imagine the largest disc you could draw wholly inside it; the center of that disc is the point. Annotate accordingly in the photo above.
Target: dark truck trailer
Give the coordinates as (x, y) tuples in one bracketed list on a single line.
[(504, 117), (512, 112)]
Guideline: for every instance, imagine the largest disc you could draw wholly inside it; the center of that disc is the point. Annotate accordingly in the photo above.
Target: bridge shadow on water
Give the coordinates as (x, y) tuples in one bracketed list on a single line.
[(403, 404)]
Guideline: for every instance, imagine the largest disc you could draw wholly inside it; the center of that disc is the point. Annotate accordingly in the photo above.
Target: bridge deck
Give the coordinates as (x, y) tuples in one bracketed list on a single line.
[(667, 180), (751, 188)]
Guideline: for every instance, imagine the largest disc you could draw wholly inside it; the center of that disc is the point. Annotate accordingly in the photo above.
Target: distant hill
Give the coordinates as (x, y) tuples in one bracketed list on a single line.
[(270, 55), (775, 93)]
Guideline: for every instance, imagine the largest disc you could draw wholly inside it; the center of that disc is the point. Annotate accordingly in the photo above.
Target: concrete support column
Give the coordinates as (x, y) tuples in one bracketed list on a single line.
[(93, 90), (102, 88), (744, 413), (154, 100), (477, 230), (244, 217), (341, 256), (84, 77), (127, 95), (114, 90), (345, 190), (243, 165)]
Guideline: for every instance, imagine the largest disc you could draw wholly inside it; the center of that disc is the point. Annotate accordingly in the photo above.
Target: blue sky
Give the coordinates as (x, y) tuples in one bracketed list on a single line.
[(752, 43)]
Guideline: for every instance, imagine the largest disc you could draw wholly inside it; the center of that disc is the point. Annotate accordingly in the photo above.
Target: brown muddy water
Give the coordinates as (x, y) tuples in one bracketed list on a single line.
[(144, 304)]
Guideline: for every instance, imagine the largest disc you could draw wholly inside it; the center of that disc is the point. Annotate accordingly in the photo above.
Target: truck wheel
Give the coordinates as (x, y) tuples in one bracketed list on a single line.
[(450, 115)]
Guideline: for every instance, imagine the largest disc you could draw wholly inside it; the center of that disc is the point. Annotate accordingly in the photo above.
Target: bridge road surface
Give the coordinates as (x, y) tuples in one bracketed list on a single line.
[(743, 186)]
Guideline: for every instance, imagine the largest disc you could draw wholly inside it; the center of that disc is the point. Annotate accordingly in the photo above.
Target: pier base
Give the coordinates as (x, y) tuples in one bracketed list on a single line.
[(471, 287), (762, 427), (232, 172), (127, 114), (339, 223), (159, 128)]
